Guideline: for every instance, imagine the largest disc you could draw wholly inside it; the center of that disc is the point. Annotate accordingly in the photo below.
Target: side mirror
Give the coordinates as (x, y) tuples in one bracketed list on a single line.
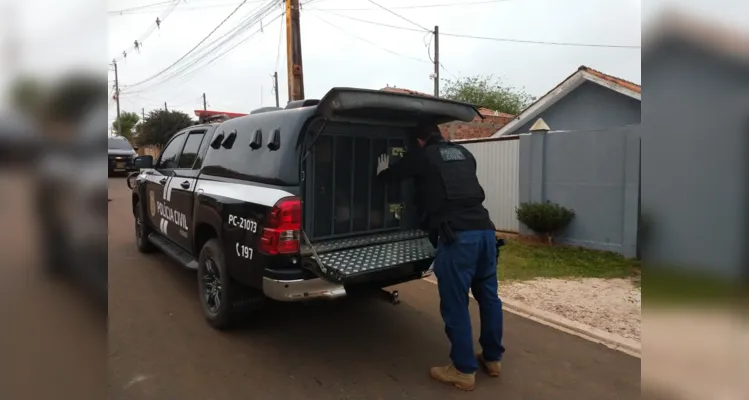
[(143, 162)]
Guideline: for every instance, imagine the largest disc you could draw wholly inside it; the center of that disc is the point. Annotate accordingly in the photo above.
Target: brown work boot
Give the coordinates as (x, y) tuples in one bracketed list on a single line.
[(493, 368), (450, 374)]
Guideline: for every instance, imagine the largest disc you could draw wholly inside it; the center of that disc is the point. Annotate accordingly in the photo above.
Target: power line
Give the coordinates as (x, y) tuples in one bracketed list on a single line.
[(483, 37), (448, 71), (217, 57), (219, 44), (184, 68), (193, 49), (414, 7), (125, 10), (280, 40), (399, 16), (138, 10), (371, 43), (367, 22), (156, 24), (613, 46)]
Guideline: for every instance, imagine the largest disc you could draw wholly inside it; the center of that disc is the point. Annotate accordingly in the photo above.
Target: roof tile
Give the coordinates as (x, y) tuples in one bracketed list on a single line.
[(619, 81)]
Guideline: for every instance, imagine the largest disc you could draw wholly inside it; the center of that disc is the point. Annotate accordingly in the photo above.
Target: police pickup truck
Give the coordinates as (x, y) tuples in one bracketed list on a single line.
[(284, 204)]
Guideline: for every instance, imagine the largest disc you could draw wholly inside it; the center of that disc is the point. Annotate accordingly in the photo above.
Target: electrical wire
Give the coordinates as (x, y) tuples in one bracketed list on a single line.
[(219, 43), (398, 15), (125, 10), (183, 72), (220, 55), (371, 43), (308, 2), (137, 10), (448, 71), (149, 31), (413, 7), (280, 40), (429, 54), (193, 49), (572, 44), (367, 22)]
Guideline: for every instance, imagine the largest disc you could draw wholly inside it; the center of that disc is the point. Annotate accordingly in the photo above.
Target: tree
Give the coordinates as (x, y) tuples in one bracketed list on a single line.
[(160, 125), (128, 121), (487, 92)]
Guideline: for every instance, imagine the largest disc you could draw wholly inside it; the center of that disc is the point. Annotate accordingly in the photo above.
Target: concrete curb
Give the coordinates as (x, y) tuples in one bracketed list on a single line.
[(587, 332)]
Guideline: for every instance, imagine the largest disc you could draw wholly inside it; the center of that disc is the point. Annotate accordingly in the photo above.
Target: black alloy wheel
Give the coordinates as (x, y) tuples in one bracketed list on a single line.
[(212, 288)]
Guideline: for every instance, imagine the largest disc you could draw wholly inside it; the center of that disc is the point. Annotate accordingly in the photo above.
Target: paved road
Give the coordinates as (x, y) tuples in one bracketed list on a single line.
[(52, 334), (160, 347)]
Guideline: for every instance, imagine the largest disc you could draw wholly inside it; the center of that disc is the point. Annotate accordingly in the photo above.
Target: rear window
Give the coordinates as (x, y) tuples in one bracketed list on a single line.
[(119, 144), (263, 165)]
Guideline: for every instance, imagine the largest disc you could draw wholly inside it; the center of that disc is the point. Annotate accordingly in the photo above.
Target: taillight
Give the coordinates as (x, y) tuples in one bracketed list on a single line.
[(282, 228)]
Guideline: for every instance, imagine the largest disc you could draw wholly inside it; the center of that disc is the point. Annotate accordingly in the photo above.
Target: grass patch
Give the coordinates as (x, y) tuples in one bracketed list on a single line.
[(520, 260)]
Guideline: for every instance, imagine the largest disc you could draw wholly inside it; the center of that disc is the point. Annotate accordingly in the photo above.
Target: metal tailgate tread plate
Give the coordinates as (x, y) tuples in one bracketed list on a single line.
[(362, 260), (327, 246)]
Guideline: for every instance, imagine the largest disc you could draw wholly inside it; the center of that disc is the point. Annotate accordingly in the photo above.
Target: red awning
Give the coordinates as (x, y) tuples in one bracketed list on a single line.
[(209, 113)]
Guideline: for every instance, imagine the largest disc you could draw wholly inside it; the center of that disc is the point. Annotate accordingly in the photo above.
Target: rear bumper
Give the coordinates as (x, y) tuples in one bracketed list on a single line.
[(301, 289), (318, 288), (126, 167)]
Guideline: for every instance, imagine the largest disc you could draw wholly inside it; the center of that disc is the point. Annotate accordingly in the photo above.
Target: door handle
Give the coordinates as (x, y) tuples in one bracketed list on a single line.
[(185, 185), (163, 181)]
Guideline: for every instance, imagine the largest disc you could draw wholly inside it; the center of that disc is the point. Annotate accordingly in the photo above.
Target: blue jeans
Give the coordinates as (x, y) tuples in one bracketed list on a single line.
[(470, 262)]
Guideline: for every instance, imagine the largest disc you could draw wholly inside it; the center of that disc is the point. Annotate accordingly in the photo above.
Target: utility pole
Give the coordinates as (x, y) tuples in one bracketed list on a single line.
[(436, 61), (165, 109), (117, 97), (275, 86), (295, 73), (143, 113), (205, 104)]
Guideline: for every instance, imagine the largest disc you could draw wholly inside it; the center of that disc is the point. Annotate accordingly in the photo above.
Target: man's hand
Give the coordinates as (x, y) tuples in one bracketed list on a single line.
[(383, 162)]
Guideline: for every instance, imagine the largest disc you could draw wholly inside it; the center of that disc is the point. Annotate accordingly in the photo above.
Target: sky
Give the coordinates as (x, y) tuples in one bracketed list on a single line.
[(344, 43), (341, 51)]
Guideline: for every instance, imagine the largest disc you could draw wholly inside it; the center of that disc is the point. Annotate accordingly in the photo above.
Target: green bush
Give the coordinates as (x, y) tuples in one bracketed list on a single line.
[(545, 218)]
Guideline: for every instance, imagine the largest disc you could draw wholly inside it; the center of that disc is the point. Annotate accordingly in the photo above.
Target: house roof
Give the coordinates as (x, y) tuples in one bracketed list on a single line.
[(483, 110), (572, 82)]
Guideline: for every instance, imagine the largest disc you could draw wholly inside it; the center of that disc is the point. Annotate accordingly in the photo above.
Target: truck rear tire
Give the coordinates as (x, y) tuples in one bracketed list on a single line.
[(217, 290)]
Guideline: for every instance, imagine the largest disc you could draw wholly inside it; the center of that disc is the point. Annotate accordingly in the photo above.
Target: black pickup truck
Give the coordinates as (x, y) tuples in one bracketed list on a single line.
[(283, 204)]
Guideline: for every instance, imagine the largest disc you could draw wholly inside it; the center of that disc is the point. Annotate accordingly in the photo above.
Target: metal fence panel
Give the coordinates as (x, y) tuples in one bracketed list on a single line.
[(498, 171)]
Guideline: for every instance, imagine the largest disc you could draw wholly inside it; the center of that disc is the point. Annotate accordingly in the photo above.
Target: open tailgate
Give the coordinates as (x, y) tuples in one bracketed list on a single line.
[(361, 258), (402, 109)]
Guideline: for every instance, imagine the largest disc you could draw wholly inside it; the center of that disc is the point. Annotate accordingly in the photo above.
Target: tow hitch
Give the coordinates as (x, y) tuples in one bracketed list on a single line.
[(391, 297)]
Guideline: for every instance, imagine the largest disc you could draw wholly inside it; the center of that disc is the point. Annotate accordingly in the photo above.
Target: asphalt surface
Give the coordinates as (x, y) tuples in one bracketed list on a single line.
[(53, 332), (161, 348)]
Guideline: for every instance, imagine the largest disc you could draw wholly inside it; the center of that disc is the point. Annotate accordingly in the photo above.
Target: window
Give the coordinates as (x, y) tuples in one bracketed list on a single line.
[(190, 153), (169, 155)]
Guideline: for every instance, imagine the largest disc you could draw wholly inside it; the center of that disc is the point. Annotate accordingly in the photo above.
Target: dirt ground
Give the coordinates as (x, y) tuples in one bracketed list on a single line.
[(612, 305)]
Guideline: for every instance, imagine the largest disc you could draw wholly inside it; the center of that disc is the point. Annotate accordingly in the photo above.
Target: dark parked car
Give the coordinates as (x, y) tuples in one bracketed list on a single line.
[(121, 155)]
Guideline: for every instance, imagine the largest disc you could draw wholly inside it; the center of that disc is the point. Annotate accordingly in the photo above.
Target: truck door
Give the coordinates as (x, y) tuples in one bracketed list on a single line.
[(157, 180), (179, 193)]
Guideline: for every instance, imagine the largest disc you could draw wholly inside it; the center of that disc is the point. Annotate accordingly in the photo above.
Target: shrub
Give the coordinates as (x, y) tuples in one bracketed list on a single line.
[(545, 218)]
